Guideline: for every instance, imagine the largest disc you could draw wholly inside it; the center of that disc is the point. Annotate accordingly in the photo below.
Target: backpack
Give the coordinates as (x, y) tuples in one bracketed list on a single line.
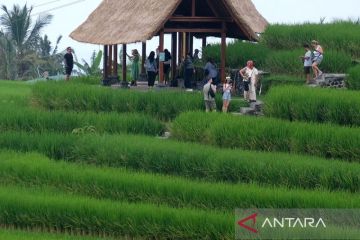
[(211, 92)]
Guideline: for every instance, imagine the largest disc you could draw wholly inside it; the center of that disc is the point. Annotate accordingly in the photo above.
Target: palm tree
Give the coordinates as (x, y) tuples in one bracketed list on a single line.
[(53, 64), (25, 36), (7, 57), (92, 69)]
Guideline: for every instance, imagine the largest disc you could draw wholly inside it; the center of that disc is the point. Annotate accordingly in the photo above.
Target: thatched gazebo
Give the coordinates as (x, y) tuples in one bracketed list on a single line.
[(128, 21)]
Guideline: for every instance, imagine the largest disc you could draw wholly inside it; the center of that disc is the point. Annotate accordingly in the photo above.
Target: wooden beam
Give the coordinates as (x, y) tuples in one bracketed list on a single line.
[(161, 64), (174, 55), (200, 19), (189, 30), (124, 63), (143, 57), (212, 7), (193, 8)]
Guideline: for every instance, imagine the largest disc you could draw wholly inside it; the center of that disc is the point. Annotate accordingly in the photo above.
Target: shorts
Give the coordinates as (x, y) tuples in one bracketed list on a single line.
[(318, 59), (307, 70), (68, 70), (226, 96)]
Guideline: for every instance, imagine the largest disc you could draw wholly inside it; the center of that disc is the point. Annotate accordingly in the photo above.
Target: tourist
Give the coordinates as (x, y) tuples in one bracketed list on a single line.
[(68, 62), (196, 55), (189, 71), (167, 65), (213, 72), (151, 69), (250, 78), (134, 58), (307, 62), (317, 58), (226, 94), (209, 96)]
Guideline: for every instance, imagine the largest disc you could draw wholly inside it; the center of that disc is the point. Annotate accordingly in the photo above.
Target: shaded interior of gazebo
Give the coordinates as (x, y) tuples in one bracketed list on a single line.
[(188, 19)]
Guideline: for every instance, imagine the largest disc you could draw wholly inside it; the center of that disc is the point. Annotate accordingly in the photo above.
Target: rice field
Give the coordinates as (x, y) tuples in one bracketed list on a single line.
[(83, 162)]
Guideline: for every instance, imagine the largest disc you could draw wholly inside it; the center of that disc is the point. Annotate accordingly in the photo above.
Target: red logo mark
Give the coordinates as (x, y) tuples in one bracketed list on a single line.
[(251, 217)]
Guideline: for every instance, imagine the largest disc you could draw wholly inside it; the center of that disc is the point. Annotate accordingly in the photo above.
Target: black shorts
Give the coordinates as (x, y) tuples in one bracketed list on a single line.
[(307, 70), (68, 70)]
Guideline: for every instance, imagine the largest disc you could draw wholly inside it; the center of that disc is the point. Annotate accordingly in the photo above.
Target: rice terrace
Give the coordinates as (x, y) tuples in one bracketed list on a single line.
[(133, 146)]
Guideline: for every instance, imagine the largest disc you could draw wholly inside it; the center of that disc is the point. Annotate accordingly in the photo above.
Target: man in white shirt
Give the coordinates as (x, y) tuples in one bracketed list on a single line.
[(250, 77), (307, 62)]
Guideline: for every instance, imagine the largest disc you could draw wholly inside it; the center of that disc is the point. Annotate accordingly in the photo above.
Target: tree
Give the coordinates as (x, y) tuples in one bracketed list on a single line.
[(7, 57), (24, 35), (53, 59), (93, 68)]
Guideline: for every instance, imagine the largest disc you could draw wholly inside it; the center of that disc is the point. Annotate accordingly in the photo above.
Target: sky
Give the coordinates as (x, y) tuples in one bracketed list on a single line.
[(69, 14)]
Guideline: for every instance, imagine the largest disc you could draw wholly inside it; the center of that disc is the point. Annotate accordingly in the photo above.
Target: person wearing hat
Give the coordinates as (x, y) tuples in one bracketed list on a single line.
[(317, 58)]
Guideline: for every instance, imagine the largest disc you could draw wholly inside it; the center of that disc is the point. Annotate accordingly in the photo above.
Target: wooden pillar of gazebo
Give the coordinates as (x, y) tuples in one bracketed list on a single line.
[(203, 44), (174, 55), (180, 47), (191, 43), (223, 51), (123, 63), (161, 51), (143, 58), (110, 70)]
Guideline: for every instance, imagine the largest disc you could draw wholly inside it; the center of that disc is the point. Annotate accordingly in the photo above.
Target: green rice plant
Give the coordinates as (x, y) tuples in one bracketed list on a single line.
[(353, 79), (164, 105), (91, 80), (202, 162), (288, 62), (314, 105), (14, 93), (11, 234), (266, 134), (33, 170), (27, 119), (238, 53), (275, 80), (51, 210), (337, 36)]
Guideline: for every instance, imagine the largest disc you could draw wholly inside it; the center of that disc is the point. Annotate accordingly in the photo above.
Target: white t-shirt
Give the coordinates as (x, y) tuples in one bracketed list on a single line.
[(307, 59), (252, 73)]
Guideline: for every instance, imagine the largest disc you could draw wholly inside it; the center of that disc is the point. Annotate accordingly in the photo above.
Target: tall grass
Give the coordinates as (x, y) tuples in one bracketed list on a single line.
[(49, 210), (266, 134), (315, 105), (202, 162), (27, 119), (337, 36), (288, 62), (164, 105), (275, 80), (238, 53), (10, 234), (33, 170), (353, 79), (14, 93)]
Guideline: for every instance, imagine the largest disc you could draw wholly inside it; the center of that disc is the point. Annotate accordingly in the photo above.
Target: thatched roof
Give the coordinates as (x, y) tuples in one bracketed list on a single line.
[(129, 21)]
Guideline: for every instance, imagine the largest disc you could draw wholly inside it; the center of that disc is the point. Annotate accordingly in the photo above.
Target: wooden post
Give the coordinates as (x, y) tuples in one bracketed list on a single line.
[(161, 64), (191, 43), (174, 55), (180, 47), (203, 43), (111, 62), (143, 58), (223, 52), (116, 61), (193, 8), (123, 63), (184, 45), (105, 63)]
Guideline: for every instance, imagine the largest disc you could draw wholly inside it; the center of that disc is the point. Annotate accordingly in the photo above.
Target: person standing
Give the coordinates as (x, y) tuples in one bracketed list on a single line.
[(189, 71), (307, 62), (151, 69), (167, 65), (317, 59), (196, 55), (209, 99), (68, 62), (134, 58), (213, 72), (250, 76), (226, 95)]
